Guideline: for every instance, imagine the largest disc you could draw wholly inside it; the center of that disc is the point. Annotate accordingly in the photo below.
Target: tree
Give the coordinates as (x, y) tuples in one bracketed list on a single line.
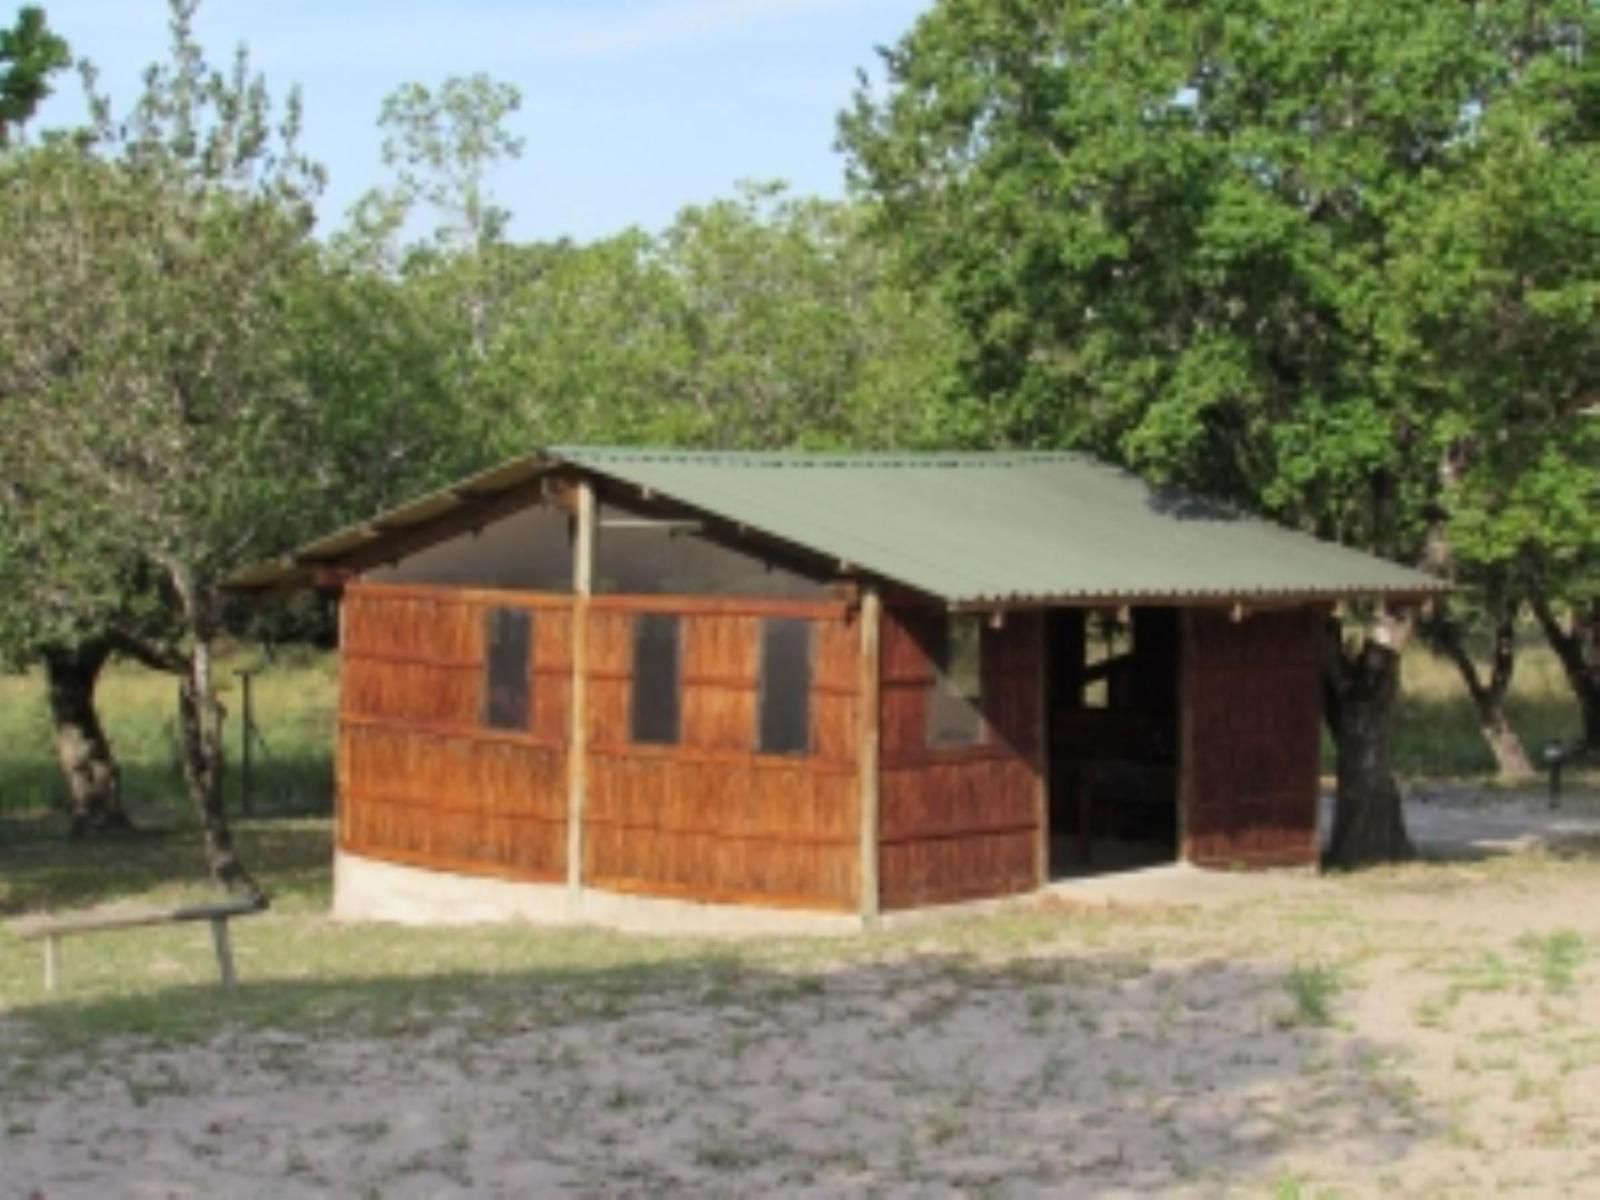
[(29, 55), (1576, 641), (1450, 635), (156, 431), (762, 320), (35, 628), (442, 145), (1336, 264), (799, 333)]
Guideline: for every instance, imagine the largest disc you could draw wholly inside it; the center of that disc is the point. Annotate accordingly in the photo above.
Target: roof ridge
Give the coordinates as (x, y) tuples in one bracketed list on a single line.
[(812, 458)]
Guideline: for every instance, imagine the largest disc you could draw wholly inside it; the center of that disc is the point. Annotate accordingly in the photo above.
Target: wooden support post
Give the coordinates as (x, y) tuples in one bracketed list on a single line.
[(1188, 749), (341, 807), (1042, 645), (52, 963), (219, 938), (577, 742), (869, 701)]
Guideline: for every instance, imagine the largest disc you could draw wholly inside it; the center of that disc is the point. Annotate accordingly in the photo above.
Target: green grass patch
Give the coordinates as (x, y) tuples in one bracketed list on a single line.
[(1557, 957), (1436, 726), (1312, 991), (296, 704), (297, 967)]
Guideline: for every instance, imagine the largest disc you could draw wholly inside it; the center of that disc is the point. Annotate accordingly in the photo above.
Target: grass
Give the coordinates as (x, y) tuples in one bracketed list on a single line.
[(1436, 726), (1312, 990), (1558, 955), (295, 703), (300, 970)]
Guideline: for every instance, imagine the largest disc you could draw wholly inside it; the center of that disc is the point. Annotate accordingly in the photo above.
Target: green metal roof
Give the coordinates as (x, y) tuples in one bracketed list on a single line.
[(975, 529), (1004, 527)]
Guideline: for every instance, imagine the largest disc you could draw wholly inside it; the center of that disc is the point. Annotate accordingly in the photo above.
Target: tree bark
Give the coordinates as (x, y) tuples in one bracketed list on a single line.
[(1361, 684), (88, 764), (1488, 696), (200, 731), (1577, 646)]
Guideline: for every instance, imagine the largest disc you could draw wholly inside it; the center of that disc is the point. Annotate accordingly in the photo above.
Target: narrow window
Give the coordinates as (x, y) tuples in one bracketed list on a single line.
[(955, 707), (785, 715), (506, 699), (655, 679)]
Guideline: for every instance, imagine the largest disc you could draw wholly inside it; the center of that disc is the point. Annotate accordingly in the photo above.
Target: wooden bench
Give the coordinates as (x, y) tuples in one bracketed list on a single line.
[(53, 928)]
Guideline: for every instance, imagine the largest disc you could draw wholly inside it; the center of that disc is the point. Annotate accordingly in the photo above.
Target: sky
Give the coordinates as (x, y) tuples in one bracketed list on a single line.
[(630, 108)]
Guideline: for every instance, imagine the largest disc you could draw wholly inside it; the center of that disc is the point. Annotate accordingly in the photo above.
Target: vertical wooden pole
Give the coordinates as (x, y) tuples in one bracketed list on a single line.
[(219, 938), (52, 963), (869, 701), (1187, 748), (1046, 667), (577, 742), (341, 814)]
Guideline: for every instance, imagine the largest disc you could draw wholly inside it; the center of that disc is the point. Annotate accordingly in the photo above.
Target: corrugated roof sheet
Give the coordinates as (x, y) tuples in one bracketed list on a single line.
[(975, 529), (1004, 527)]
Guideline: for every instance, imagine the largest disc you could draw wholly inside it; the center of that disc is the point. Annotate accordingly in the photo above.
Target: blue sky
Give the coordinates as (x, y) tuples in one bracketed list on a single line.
[(631, 108)]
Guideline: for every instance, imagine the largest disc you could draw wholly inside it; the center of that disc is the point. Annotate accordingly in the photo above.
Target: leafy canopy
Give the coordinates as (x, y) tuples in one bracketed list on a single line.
[(1339, 262), (29, 55)]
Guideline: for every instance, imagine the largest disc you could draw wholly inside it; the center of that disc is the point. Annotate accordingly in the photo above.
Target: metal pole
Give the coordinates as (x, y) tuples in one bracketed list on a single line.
[(247, 729)]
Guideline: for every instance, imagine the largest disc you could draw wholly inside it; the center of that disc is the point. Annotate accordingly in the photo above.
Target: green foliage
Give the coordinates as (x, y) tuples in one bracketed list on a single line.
[(29, 55), (442, 144), (1340, 265), (150, 401), (763, 320)]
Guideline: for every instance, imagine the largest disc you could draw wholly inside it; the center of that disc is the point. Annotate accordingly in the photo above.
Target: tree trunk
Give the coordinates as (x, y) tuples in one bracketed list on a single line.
[(200, 728), (1578, 648), (1488, 696), (88, 765), (1361, 685)]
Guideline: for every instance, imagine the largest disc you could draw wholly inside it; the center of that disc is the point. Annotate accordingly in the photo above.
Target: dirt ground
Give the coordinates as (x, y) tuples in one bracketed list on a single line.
[(1430, 1030)]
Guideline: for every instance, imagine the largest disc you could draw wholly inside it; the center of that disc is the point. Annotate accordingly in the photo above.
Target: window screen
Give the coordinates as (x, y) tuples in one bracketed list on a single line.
[(655, 678), (955, 707), (785, 686), (509, 636)]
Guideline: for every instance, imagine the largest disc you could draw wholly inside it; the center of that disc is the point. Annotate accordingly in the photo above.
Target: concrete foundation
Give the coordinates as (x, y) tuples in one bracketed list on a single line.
[(366, 889)]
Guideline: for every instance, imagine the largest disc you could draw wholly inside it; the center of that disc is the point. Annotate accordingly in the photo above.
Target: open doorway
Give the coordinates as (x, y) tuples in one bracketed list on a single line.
[(1113, 720)]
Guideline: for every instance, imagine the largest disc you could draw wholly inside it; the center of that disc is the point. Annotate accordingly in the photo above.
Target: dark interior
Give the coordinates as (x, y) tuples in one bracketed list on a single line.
[(1113, 721)]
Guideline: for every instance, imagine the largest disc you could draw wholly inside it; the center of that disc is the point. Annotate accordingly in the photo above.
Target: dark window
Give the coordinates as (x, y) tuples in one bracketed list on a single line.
[(655, 679), (785, 686), (509, 633), (955, 707)]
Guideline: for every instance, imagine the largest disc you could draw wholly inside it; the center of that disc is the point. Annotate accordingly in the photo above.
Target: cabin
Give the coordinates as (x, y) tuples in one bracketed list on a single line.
[(641, 686)]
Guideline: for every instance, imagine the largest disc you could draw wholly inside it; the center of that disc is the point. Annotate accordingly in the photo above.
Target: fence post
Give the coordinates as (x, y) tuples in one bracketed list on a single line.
[(247, 731)]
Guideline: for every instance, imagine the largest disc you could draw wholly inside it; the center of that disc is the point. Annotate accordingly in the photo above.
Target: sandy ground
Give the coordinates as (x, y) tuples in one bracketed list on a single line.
[(1168, 1049)]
